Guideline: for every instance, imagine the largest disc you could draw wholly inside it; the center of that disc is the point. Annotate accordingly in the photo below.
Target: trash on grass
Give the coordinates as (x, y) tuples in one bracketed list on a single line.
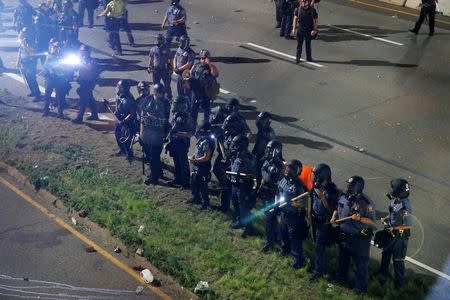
[(202, 286), (147, 276), (140, 251)]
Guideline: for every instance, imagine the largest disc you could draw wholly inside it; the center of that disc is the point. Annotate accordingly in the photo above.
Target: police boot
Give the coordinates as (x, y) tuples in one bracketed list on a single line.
[(267, 247), (298, 264), (77, 121), (93, 117)]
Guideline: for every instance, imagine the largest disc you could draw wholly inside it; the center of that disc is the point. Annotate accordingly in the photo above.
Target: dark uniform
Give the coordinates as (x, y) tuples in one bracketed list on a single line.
[(242, 186), (154, 129), (354, 235), (56, 78), (195, 92), (68, 24), (287, 8), (294, 229), (178, 147), (200, 174), (233, 126), (125, 26), (306, 17), (43, 32), (90, 6), (428, 9), (271, 173), (23, 15), (183, 60), (87, 77), (159, 64), (175, 12), (325, 191), (400, 211), (126, 120), (264, 135), (202, 73), (278, 13), (27, 61)]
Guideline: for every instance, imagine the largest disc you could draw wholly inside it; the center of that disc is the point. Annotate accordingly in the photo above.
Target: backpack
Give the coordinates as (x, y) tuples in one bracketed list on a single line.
[(202, 73)]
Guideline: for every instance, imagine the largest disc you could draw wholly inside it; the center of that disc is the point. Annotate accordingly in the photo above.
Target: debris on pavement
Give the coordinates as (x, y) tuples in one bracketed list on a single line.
[(89, 249), (202, 286)]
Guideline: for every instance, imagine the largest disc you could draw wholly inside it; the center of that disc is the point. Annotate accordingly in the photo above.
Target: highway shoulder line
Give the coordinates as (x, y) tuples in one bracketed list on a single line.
[(83, 238), (366, 35), (283, 54)]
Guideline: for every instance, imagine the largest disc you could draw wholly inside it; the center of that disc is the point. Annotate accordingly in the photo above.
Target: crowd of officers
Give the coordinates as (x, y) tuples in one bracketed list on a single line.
[(295, 198)]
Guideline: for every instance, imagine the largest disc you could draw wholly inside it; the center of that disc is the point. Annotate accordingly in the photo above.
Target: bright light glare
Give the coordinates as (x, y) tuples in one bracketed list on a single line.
[(71, 60)]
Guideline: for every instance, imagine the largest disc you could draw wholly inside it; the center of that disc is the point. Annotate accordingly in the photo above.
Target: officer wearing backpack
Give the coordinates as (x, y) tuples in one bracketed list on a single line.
[(206, 73)]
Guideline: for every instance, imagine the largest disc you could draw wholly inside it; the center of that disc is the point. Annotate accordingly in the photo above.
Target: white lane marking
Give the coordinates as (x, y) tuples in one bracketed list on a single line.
[(284, 54), (366, 35), (421, 265), (42, 89), (20, 79), (223, 91)]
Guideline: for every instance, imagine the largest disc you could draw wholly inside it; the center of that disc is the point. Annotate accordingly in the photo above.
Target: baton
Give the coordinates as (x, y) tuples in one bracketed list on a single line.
[(341, 220), (255, 183), (283, 203)]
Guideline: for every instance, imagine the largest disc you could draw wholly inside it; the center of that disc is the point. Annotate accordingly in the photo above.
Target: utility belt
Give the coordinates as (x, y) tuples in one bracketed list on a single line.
[(237, 181), (160, 68), (153, 122), (402, 233), (364, 234)]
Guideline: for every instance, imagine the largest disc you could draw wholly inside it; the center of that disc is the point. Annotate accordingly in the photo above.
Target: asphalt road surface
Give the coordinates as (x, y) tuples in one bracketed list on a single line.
[(40, 259), (375, 103)]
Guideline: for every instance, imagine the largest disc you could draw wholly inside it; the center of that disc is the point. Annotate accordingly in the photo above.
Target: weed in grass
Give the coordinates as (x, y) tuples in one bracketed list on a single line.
[(10, 138), (70, 151)]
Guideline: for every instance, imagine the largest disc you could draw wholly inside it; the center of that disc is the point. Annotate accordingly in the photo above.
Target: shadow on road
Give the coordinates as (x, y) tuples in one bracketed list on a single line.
[(369, 63), (295, 140), (238, 60), (145, 26)]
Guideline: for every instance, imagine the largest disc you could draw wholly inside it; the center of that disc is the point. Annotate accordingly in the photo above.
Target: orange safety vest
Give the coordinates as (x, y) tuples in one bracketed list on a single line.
[(307, 177)]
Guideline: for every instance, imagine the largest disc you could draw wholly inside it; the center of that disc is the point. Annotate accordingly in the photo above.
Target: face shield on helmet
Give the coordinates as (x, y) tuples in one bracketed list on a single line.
[(399, 188), (355, 185), (158, 91), (203, 129), (293, 169), (263, 120), (143, 88), (274, 149), (180, 105), (322, 175), (239, 144), (123, 87), (160, 40), (184, 42)]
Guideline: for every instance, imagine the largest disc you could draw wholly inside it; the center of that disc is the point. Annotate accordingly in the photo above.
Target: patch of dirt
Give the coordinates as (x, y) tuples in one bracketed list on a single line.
[(50, 142)]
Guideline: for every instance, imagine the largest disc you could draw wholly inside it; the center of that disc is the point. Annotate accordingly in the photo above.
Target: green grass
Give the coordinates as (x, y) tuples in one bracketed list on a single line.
[(188, 244), (10, 137)]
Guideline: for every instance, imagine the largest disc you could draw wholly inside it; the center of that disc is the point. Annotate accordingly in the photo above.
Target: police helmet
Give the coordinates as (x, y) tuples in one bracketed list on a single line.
[(355, 185), (233, 105), (180, 104), (275, 149), (204, 53), (205, 126), (322, 175), (67, 4), (158, 89), (231, 123), (263, 119), (399, 188), (239, 143), (175, 2), (184, 42), (294, 168), (124, 84), (160, 39), (143, 87)]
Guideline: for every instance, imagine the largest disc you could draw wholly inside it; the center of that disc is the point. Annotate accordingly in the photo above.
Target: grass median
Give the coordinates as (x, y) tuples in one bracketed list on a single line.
[(189, 244)]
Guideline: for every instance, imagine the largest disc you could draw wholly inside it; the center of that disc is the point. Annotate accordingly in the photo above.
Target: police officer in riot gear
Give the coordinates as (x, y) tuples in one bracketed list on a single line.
[(398, 223), (27, 62), (179, 138), (293, 223), (154, 128), (355, 216), (287, 8), (126, 119), (324, 197), (68, 23), (183, 60), (56, 78), (87, 76), (23, 15), (242, 182), (264, 135), (201, 165), (143, 89), (176, 19), (159, 63), (272, 171)]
